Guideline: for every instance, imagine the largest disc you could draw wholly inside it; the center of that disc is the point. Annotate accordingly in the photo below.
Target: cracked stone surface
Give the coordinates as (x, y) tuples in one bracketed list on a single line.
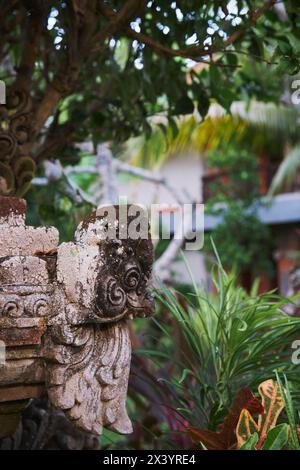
[(64, 312)]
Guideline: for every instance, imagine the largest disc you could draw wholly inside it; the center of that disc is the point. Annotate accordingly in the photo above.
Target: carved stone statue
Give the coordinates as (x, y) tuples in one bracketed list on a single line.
[(63, 317)]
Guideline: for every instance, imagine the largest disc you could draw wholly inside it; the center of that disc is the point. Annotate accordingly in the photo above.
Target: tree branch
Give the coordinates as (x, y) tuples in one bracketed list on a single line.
[(57, 137), (162, 265), (123, 167), (254, 17), (67, 75), (108, 167), (201, 50), (31, 43), (104, 165), (55, 173), (119, 20), (46, 108)]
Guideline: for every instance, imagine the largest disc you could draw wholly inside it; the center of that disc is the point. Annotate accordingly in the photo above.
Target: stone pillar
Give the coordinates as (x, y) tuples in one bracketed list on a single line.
[(26, 292)]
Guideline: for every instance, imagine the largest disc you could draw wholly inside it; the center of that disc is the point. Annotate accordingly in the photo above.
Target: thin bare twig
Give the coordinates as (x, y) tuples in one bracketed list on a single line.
[(118, 166)]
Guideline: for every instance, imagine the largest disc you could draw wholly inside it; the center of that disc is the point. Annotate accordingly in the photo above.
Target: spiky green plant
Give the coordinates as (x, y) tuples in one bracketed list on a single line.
[(289, 408), (227, 341)]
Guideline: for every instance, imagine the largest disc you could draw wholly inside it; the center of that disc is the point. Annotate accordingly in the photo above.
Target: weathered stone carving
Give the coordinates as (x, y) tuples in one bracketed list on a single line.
[(64, 312), (16, 166), (44, 427)]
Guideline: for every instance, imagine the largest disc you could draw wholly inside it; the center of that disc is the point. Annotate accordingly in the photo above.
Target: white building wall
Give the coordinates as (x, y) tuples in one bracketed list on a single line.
[(185, 174)]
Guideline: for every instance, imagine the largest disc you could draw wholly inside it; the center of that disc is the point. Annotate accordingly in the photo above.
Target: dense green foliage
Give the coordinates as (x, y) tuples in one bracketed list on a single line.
[(244, 242), (202, 349), (239, 180), (240, 237), (101, 69)]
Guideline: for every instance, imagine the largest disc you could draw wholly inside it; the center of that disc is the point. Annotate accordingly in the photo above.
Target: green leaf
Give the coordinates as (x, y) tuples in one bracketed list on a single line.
[(215, 78), (250, 443), (286, 172), (184, 105), (174, 127), (122, 52), (232, 59), (287, 65), (286, 395), (277, 437), (257, 45), (284, 46), (185, 373), (203, 103)]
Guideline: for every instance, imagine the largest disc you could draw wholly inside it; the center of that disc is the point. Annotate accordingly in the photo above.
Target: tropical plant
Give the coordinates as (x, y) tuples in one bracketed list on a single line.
[(255, 127), (280, 123), (266, 434), (273, 404), (290, 411), (264, 127), (241, 431), (239, 168), (287, 171), (211, 346), (225, 438), (241, 237)]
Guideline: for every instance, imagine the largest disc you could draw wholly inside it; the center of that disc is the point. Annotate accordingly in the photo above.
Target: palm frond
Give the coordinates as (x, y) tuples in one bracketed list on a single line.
[(286, 173), (275, 121), (258, 125), (166, 140)]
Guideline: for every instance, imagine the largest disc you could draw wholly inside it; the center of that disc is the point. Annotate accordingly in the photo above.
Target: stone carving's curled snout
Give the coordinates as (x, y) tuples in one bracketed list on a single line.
[(104, 275)]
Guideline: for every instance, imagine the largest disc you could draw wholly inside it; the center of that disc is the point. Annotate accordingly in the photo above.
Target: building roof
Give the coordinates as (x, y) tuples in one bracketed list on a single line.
[(283, 209)]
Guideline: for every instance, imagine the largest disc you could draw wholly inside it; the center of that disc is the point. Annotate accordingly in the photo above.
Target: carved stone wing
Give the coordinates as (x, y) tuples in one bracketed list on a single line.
[(87, 374)]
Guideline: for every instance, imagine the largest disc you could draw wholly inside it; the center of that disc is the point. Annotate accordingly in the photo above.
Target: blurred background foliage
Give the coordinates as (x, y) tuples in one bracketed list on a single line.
[(93, 76)]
